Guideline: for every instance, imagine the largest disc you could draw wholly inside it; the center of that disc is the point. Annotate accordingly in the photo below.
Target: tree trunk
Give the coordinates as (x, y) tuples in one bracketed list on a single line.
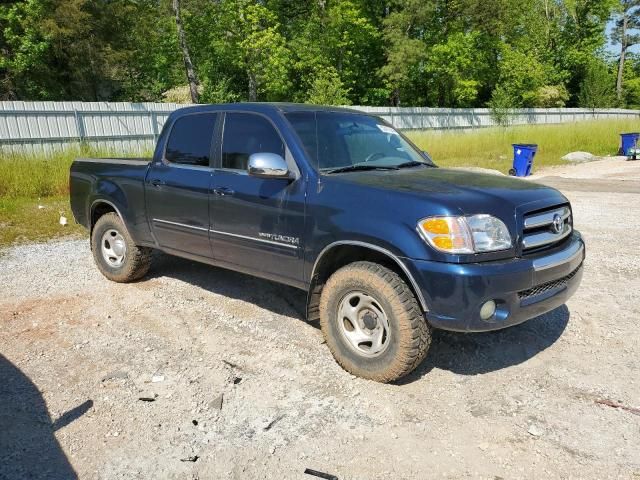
[(188, 65), (623, 51), (253, 87), (395, 97)]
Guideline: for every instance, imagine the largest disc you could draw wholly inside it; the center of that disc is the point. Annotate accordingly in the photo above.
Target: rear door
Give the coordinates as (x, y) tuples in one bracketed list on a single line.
[(256, 223), (177, 186)]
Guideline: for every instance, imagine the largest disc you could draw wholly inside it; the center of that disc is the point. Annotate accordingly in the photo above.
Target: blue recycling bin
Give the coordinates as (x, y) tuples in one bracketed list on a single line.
[(628, 143), (523, 154)]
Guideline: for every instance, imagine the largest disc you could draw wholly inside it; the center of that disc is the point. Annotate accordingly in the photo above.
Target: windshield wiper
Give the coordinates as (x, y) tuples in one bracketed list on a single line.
[(354, 168), (413, 163)]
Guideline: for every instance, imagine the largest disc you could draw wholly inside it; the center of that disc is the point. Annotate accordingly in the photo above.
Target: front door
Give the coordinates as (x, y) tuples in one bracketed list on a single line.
[(256, 223), (178, 186)]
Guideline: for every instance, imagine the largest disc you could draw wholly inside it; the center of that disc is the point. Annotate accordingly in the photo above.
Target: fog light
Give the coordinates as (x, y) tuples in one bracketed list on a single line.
[(487, 310)]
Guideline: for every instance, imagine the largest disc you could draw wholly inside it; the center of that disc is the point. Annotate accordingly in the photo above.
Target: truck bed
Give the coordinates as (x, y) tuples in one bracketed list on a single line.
[(118, 180)]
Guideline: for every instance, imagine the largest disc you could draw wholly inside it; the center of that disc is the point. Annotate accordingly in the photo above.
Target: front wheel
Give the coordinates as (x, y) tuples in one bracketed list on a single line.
[(116, 255), (372, 323)]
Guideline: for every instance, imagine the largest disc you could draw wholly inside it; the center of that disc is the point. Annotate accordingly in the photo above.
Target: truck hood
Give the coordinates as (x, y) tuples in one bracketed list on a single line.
[(461, 191)]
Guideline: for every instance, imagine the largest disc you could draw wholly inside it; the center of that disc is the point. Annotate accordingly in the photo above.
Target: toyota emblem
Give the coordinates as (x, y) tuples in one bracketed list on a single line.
[(558, 223)]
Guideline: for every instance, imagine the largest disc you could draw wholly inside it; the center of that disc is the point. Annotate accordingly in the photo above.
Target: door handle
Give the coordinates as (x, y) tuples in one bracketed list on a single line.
[(222, 191), (157, 182)]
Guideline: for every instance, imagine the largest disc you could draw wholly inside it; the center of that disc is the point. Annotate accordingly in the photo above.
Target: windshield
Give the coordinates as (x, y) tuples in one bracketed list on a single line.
[(350, 141)]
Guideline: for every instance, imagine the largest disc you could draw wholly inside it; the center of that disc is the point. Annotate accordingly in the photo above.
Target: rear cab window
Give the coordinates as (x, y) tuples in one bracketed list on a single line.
[(190, 140)]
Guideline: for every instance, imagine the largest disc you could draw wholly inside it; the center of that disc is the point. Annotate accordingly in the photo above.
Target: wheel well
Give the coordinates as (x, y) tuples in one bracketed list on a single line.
[(99, 210), (342, 255)]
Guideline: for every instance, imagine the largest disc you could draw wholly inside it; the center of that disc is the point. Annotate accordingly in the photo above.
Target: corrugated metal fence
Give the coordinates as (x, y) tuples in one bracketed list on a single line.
[(117, 126), (134, 127), (423, 118)]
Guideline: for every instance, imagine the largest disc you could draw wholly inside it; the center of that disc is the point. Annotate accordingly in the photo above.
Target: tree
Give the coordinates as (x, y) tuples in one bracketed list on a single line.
[(85, 50), (628, 20), (338, 37), (447, 53), (327, 89), (405, 49), (455, 70), (596, 90), (251, 52), (23, 50), (521, 76)]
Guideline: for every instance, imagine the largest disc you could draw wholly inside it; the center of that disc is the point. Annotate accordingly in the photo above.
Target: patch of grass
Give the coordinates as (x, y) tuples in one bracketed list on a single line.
[(29, 176), (31, 220), (33, 176), (30, 181), (491, 147)]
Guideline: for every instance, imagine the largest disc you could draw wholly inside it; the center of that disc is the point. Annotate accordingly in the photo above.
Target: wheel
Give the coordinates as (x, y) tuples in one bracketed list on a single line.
[(372, 323), (512, 172), (118, 258)]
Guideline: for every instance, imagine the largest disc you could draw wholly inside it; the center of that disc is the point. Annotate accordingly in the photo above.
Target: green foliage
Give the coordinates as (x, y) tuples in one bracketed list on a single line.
[(180, 94), (521, 77), (219, 91), (342, 39), (446, 53), (24, 48), (455, 68), (551, 96), (246, 54), (632, 92), (327, 89), (501, 105), (597, 88)]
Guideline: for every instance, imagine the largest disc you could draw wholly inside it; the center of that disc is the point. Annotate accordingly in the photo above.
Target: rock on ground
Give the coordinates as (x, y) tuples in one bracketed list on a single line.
[(577, 157)]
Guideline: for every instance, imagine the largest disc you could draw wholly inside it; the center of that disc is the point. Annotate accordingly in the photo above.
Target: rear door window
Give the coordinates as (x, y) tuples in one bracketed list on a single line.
[(190, 139)]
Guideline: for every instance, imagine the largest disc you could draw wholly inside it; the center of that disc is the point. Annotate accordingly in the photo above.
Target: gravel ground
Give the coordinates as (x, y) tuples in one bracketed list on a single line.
[(197, 372)]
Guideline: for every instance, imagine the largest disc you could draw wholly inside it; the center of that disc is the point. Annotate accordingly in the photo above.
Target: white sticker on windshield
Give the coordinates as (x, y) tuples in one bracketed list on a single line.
[(385, 129)]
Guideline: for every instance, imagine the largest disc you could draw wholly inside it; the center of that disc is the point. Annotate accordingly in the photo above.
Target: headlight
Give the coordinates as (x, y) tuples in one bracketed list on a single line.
[(473, 234)]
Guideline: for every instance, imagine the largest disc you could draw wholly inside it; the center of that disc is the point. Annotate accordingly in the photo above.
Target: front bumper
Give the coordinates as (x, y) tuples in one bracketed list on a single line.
[(522, 288)]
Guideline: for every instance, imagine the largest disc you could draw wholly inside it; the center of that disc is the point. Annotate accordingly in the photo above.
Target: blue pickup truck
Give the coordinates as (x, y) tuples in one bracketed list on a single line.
[(340, 204)]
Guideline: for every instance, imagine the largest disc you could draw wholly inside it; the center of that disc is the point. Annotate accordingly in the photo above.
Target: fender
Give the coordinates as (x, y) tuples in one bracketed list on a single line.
[(384, 251), (98, 201)]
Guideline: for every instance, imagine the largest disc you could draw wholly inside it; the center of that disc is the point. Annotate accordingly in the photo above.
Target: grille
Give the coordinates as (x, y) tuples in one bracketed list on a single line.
[(542, 230), (547, 287)]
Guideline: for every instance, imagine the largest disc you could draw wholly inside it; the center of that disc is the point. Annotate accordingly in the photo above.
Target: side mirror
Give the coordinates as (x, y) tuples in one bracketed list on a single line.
[(268, 165)]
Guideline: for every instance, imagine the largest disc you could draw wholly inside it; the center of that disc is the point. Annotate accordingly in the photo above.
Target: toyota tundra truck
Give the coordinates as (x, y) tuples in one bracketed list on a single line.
[(342, 205)]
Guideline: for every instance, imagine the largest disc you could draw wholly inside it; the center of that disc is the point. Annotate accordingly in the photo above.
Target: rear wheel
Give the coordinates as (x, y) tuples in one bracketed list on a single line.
[(116, 255), (372, 323)]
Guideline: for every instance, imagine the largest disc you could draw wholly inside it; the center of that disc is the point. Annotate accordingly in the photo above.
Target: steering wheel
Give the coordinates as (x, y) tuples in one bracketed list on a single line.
[(374, 156)]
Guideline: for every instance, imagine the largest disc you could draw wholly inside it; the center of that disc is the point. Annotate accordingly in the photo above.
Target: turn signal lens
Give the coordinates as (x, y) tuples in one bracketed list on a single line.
[(444, 243), (436, 225), (446, 234), (473, 234)]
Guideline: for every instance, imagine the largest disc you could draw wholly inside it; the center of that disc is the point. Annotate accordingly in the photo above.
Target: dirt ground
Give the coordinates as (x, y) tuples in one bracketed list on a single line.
[(242, 387)]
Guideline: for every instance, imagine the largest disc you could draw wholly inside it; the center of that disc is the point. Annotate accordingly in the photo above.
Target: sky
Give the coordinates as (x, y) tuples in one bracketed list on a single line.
[(614, 50)]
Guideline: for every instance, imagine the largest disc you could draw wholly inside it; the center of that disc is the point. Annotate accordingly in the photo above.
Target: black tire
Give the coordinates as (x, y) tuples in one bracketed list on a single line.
[(409, 334), (512, 172), (136, 261)]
